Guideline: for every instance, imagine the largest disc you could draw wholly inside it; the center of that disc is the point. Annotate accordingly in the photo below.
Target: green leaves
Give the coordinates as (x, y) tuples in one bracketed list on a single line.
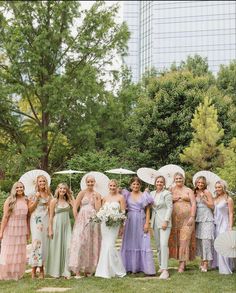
[(54, 60), (205, 149)]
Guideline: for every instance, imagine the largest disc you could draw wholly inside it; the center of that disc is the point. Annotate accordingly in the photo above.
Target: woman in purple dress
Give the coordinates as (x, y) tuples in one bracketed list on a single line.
[(223, 214), (136, 249)]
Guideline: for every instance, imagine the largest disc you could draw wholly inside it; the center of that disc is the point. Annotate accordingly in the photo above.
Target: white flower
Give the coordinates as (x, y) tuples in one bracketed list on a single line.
[(111, 215)]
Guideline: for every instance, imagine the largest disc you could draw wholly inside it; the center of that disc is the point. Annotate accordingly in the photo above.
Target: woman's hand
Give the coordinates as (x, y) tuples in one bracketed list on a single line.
[(28, 235), (50, 234), (121, 231), (176, 198), (96, 196), (164, 225), (37, 196), (1, 235), (190, 221), (146, 228)]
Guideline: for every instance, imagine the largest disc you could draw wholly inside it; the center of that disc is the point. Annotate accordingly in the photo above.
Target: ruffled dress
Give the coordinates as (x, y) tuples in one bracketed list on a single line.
[(136, 252), (14, 241)]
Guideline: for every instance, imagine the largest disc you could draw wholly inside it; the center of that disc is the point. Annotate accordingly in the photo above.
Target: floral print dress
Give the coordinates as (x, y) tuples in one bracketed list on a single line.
[(39, 231), (86, 239)]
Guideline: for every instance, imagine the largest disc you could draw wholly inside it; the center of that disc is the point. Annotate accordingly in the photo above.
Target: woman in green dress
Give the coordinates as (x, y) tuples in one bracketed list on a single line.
[(59, 233)]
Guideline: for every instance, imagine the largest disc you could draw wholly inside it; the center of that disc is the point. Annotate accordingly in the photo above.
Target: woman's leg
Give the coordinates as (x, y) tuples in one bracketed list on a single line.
[(41, 273), (33, 272), (164, 238)]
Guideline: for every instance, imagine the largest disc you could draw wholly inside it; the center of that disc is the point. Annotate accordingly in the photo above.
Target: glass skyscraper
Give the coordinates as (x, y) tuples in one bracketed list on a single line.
[(164, 32)]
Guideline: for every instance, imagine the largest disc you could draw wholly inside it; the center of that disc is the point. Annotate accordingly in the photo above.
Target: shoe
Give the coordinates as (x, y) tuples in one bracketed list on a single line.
[(164, 275), (78, 277), (41, 275), (203, 270), (160, 270)]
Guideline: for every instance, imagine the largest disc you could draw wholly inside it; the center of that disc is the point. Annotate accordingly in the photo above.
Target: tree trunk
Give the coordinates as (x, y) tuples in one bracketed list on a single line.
[(44, 141)]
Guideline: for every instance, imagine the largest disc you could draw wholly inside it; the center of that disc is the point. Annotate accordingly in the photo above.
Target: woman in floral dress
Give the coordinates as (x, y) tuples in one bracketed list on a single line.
[(38, 207), (182, 237), (86, 236)]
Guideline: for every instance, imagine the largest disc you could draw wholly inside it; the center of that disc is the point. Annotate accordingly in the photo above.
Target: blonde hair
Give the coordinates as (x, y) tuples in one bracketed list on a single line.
[(47, 188), (224, 186), (114, 181), (196, 182), (67, 196), (12, 196)]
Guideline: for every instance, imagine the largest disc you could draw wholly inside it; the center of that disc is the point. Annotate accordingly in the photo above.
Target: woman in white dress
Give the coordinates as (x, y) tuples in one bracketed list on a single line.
[(110, 263)]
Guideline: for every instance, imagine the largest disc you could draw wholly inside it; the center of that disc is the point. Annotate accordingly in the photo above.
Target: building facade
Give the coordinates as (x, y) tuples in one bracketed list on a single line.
[(166, 32)]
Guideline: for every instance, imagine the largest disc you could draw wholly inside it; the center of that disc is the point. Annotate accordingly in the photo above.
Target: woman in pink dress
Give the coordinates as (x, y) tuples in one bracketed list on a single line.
[(14, 233), (86, 236)]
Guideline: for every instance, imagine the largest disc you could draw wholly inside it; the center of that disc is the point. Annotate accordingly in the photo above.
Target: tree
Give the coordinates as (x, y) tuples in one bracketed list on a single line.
[(196, 64), (226, 83), (205, 149), (158, 127), (227, 170), (53, 71)]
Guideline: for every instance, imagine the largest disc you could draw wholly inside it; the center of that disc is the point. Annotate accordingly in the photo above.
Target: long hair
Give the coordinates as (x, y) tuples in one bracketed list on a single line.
[(47, 188), (224, 186), (67, 196), (12, 196), (196, 181)]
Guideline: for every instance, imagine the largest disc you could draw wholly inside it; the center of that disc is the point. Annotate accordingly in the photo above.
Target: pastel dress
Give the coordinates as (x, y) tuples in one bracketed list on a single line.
[(221, 216), (14, 241), (161, 212), (110, 263), (204, 231), (182, 244), (39, 231), (86, 239), (59, 245), (136, 252)]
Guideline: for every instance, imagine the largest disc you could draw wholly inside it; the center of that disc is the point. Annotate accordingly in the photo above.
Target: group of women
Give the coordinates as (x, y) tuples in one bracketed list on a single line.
[(185, 223)]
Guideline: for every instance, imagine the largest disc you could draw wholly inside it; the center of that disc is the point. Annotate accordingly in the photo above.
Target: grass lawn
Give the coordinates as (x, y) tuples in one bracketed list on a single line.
[(191, 281)]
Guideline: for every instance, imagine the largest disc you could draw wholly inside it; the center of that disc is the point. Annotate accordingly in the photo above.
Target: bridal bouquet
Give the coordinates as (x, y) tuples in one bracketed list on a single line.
[(111, 215)]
